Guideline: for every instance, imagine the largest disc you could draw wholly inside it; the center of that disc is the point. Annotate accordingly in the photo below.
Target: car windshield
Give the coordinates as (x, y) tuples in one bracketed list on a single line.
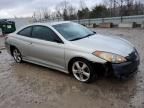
[(73, 31)]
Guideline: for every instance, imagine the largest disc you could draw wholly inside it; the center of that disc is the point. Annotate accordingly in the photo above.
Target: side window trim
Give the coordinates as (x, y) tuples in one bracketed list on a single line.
[(51, 30)]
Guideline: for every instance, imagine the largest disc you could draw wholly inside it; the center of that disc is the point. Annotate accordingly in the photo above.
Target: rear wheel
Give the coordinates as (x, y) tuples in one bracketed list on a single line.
[(17, 55), (83, 71)]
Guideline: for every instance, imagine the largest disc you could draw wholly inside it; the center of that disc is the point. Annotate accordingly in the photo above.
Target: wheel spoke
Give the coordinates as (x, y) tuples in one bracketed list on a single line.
[(14, 53), (18, 54), (15, 57), (81, 77), (75, 71), (84, 66), (77, 65), (86, 74), (18, 58)]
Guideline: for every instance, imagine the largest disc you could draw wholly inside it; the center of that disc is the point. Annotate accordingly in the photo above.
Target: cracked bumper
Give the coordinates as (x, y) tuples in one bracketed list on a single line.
[(127, 69)]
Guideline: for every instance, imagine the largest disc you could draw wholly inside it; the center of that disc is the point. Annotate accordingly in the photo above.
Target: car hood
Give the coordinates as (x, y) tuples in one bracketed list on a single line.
[(111, 44)]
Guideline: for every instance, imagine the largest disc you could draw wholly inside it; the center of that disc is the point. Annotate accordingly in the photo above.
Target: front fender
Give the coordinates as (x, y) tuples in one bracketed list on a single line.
[(70, 54)]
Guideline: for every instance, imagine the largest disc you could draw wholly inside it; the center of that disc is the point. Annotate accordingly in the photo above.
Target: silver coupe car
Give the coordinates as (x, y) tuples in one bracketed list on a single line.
[(72, 48)]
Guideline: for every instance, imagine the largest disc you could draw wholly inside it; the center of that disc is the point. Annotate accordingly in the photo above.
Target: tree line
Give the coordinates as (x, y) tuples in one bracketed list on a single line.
[(109, 8)]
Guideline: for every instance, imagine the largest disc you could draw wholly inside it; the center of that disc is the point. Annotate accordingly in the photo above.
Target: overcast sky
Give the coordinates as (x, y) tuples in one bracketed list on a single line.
[(25, 8)]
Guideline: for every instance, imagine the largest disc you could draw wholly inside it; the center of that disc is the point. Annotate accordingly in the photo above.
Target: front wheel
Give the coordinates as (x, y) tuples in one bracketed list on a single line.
[(17, 55), (83, 71)]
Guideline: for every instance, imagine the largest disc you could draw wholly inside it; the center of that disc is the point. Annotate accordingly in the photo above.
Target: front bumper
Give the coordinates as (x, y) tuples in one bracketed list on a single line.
[(127, 69)]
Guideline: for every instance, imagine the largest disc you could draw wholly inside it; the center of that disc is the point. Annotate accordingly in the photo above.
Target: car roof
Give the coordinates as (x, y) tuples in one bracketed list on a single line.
[(51, 23)]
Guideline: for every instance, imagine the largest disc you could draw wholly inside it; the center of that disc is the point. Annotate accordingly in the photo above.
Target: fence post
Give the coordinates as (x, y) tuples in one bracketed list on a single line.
[(79, 21), (121, 18), (89, 21), (102, 20)]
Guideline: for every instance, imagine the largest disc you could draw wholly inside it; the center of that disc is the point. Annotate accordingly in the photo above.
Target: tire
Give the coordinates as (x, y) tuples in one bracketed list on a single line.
[(17, 55), (83, 71)]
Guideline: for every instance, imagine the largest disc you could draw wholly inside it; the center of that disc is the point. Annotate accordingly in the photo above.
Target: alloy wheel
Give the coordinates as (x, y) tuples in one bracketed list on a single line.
[(81, 71), (17, 56)]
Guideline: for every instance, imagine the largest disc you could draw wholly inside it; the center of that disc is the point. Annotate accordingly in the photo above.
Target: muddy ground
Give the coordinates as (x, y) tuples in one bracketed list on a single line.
[(27, 85), (1, 42)]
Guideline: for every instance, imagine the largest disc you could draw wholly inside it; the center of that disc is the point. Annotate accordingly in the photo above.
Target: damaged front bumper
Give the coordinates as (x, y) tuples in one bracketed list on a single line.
[(127, 69)]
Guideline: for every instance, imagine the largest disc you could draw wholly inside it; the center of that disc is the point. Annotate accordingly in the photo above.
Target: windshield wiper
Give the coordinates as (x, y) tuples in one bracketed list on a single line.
[(76, 39), (89, 35), (82, 37)]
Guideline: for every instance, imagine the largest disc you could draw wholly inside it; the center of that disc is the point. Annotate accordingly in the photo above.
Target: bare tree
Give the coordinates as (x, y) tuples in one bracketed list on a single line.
[(37, 15), (62, 8), (46, 13), (34, 17), (58, 12), (72, 12), (83, 11), (65, 10), (82, 4), (108, 4), (129, 7)]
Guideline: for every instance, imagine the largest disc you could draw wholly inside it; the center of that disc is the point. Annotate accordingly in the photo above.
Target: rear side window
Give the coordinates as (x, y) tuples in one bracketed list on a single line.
[(43, 33), (25, 32)]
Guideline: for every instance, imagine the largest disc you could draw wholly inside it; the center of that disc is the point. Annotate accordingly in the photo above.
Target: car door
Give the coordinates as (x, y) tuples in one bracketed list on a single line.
[(47, 48), (22, 41)]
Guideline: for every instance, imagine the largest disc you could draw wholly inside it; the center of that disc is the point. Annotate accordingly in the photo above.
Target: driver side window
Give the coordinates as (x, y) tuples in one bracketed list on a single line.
[(44, 33)]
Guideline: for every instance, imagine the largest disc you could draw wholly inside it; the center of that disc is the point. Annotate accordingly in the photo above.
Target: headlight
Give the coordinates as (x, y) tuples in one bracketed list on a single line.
[(110, 57)]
